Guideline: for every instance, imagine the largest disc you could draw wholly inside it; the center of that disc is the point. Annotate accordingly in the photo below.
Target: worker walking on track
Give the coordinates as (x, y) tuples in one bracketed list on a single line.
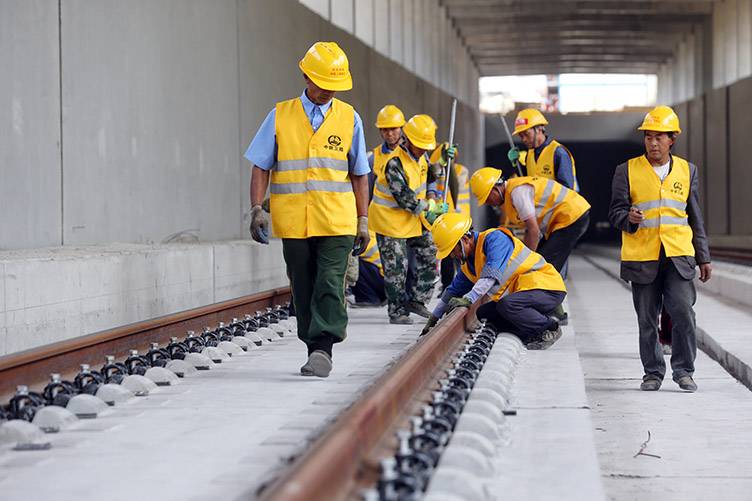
[(545, 157), (399, 198), (313, 150), (524, 289), (655, 203)]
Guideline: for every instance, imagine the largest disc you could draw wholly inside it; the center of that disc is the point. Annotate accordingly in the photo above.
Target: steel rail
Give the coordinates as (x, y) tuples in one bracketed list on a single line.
[(34, 366), (734, 254), (345, 457)]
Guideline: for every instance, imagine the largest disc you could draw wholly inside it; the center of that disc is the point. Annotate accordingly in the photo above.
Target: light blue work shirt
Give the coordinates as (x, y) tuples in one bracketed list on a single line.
[(262, 152)]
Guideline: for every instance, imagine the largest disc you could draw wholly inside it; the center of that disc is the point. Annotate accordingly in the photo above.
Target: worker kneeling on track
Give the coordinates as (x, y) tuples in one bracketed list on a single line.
[(310, 152), (524, 289), (546, 209), (399, 198)]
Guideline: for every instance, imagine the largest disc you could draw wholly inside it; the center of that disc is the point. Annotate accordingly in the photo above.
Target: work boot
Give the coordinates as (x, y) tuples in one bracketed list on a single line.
[(546, 339), (319, 364), (560, 315), (418, 308), (401, 320), (651, 382), (686, 383)]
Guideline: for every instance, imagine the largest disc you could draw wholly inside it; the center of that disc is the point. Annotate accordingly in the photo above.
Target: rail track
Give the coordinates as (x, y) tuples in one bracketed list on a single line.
[(33, 367), (732, 254)]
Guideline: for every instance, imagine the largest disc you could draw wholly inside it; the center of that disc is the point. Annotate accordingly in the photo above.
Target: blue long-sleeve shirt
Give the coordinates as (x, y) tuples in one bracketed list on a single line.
[(563, 168), (262, 152), (497, 248)]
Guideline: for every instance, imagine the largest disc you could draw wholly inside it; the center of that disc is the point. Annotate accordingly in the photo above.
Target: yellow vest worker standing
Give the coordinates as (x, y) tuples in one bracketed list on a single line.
[(389, 121), (545, 157), (399, 197), (523, 288), (654, 202), (313, 150)]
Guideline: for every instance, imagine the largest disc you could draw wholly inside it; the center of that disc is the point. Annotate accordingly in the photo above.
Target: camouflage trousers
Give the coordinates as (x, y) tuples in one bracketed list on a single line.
[(396, 254)]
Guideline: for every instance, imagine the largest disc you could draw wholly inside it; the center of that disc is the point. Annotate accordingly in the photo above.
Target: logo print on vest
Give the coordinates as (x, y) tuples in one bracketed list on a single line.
[(678, 188), (334, 143), (547, 169)]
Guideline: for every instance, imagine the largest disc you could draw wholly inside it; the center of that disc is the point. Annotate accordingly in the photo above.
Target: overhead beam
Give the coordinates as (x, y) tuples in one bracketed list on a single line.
[(528, 51), (583, 67), (553, 8), (523, 36), (647, 28)]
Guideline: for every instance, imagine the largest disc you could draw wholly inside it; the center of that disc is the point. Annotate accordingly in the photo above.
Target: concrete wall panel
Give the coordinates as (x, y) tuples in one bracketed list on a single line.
[(681, 147), (151, 120), (740, 175), (696, 139), (717, 154), (30, 195)]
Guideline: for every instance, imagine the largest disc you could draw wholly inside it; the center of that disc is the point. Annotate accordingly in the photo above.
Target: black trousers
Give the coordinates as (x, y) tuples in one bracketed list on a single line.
[(524, 313), (558, 246), (370, 285)]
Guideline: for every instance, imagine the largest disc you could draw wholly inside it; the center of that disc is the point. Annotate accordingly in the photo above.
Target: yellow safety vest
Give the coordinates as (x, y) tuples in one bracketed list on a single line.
[(385, 216), (311, 193), (371, 254), (525, 270), (379, 157), (556, 206), (543, 166), (665, 207), (463, 198)]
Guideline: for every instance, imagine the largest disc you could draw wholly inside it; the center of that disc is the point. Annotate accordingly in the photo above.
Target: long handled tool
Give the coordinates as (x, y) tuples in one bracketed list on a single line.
[(450, 161), (511, 144)]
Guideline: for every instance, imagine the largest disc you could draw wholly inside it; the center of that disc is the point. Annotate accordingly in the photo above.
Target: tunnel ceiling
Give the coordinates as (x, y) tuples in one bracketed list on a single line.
[(523, 37)]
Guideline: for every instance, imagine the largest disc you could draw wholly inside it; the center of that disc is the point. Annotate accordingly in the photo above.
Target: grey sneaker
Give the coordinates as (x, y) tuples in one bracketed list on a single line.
[(650, 383), (418, 309), (686, 383), (401, 320), (560, 315), (666, 349), (319, 364), (545, 340)]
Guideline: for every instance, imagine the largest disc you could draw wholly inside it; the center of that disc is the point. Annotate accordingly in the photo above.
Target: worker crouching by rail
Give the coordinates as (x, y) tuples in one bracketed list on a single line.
[(399, 198), (312, 149), (655, 203), (523, 288)]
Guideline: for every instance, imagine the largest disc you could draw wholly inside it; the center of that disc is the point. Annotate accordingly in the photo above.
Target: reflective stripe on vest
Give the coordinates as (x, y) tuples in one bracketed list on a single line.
[(371, 254), (525, 269), (664, 204), (544, 166), (556, 206), (311, 192), (386, 217)]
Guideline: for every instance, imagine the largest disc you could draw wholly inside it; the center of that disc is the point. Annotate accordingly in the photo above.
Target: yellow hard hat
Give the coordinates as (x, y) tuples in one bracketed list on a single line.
[(327, 66), (447, 230), (483, 181), (528, 118), (661, 119), (390, 117), (421, 131)]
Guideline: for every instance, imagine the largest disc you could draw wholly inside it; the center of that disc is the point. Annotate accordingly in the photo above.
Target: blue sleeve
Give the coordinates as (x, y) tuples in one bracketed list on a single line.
[(262, 152), (357, 157), (460, 286), (563, 167), (370, 160), (431, 188), (498, 248)]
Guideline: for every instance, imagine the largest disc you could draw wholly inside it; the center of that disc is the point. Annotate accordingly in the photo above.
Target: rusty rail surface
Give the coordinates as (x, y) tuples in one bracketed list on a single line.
[(33, 367), (341, 460)]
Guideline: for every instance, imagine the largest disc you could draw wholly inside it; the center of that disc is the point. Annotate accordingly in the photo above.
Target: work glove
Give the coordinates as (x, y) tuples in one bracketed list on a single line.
[(259, 225), (513, 155), (447, 153), (458, 302), (437, 210), (353, 271), (430, 324), (361, 236)]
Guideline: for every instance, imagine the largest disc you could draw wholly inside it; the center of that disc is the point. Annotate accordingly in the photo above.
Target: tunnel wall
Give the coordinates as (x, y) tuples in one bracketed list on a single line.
[(124, 125)]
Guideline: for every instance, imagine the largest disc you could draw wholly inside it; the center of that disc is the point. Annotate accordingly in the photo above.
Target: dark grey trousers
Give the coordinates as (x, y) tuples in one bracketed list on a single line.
[(558, 246), (678, 295), (524, 313)]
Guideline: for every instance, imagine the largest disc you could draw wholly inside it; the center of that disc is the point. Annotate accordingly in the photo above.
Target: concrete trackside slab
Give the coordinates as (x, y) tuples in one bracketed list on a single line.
[(700, 445)]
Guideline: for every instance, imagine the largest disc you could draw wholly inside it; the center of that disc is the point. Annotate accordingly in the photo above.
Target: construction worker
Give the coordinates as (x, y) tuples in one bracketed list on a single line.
[(458, 198), (368, 290), (654, 202), (545, 157), (389, 121), (399, 198), (523, 288), (313, 150), (545, 208)]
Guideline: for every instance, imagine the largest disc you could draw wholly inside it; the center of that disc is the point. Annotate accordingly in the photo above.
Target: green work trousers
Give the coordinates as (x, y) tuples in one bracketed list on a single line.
[(316, 267)]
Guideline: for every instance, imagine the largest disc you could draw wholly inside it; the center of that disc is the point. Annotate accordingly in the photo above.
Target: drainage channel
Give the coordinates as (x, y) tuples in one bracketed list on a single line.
[(428, 428), (59, 404)]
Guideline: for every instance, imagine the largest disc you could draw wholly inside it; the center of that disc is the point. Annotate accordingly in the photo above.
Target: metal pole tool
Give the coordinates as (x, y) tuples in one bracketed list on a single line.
[(511, 144), (451, 143)]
